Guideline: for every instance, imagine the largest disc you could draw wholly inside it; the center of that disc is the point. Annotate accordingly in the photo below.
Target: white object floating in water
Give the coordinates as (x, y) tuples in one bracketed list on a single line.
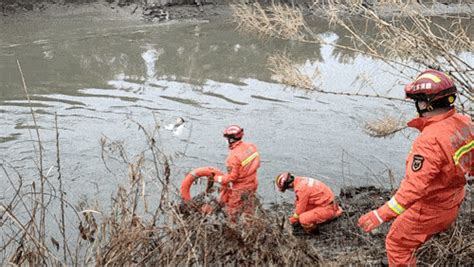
[(179, 130), (237, 47), (176, 128)]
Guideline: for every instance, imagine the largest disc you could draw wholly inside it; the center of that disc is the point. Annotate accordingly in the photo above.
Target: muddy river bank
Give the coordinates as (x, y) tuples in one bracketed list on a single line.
[(338, 242), (166, 10), (342, 243), (267, 239)]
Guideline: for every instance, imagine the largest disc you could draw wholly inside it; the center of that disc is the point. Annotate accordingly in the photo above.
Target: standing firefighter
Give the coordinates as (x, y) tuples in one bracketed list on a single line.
[(242, 163), (431, 193), (314, 202)]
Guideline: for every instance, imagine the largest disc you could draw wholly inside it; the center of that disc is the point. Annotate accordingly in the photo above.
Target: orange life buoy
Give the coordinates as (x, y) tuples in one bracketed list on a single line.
[(192, 176)]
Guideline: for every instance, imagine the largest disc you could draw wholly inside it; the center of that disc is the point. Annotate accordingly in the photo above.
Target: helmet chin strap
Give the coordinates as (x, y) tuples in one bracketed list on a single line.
[(446, 102), (231, 140), (422, 111), (287, 184)]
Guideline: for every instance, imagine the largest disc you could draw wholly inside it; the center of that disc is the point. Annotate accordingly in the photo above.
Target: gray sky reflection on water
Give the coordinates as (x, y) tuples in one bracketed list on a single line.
[(95, 78)]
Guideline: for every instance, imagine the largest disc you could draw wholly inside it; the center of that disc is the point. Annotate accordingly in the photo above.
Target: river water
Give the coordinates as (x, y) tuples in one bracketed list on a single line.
[(98, 74)]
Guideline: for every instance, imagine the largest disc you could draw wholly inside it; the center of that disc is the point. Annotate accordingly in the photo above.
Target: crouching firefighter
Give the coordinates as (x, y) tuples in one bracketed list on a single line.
[(428, 199), (314, 202)]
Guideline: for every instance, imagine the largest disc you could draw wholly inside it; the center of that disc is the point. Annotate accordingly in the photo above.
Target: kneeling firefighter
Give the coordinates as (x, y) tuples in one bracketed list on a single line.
[(240, 183), (314, 202), (428, 199)]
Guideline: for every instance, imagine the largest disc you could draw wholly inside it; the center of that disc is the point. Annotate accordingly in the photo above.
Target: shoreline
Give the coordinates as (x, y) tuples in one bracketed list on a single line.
[(140, 12)]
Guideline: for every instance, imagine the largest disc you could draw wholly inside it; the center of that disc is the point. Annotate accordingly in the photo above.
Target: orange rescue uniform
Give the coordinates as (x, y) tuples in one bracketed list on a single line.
[(432, 191), (242, 163), (314, 202)]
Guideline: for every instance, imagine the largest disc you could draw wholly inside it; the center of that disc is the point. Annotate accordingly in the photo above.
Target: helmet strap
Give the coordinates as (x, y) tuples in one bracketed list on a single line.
[(418, 109), (232, 140), (288, 182), (445, 102)]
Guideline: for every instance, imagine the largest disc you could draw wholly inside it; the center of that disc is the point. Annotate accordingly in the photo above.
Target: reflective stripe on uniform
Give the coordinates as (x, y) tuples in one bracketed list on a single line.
[(461, 151), (310, 182), (430, 76), (393, 205), (378, 216), (249, 159)]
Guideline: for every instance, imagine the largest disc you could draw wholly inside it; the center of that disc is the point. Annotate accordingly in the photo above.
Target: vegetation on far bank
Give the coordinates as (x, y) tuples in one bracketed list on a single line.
[(408, 39), (9, 6)]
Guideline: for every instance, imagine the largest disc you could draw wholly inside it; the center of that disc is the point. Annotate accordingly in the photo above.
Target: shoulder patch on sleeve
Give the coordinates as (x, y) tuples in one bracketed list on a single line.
[(417, 163)]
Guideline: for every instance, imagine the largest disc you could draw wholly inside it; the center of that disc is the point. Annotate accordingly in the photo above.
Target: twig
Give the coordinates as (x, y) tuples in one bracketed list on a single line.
[(42, 226), (38, 243), (61, 192)]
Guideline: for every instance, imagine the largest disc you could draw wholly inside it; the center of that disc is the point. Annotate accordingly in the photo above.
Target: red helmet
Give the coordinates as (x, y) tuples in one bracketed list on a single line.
[(430, 85), (234, 132), (283, 181)]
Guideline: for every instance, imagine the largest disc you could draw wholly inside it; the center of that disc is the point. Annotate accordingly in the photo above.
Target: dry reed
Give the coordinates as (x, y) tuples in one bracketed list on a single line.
[(408, 39), (288, 72), (285, 71), (384, 126), (283, 21)]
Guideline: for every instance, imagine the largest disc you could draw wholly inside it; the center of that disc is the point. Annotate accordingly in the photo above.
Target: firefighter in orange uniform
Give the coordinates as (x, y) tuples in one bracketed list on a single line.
[(314, 202), (241, 182), (428, 199)]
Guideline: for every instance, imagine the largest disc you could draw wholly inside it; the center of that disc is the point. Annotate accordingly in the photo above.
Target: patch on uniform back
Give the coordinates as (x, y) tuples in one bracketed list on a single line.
[(417, 163)]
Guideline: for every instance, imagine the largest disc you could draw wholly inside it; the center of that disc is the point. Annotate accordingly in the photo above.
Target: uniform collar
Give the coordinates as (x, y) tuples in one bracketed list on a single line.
[(235, 144), (296, 181), (421, 122)]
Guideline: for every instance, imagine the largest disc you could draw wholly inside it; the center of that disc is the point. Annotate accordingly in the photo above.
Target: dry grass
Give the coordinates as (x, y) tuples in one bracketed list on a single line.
[(195, 239), (454, 247), (384, 126), (287, 72), (281, 20), (408, 39)]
